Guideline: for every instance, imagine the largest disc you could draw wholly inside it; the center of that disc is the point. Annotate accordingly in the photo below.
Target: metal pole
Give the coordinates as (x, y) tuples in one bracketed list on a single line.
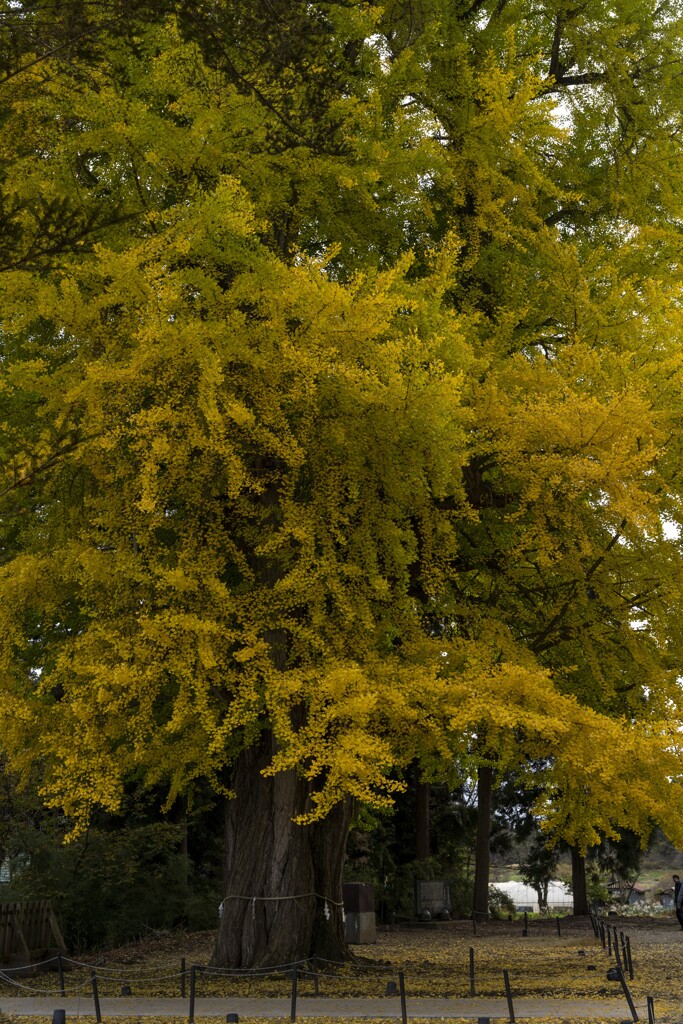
[(559, 931), (316, 987), (96, 997), (292, 1014), (402, 990), (508, 994), (602, 934), (525, 930), (629, 958), (629, 998), (472, 992), (193, 986), (182, 977), (60, 968), (650, 1010)]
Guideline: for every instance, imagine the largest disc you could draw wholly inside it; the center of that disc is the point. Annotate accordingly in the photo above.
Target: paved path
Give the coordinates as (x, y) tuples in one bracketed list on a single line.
[(311, 1007)]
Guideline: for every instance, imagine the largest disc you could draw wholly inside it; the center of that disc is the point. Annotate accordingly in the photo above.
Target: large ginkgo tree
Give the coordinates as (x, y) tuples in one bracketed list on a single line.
[(340, 400)]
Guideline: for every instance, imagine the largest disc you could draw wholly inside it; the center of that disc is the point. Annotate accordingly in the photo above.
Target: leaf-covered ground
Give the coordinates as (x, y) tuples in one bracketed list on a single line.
[(11, 1019), (665, 1015), (435, 962)]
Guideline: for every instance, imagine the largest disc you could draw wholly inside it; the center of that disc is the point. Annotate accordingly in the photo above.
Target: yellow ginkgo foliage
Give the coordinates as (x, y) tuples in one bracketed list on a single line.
[(339, 418)]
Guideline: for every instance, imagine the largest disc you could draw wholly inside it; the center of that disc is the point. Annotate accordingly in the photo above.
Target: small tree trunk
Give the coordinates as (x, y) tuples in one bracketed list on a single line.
[(480, 905), (422, 820), (283, 882), (579, 883)]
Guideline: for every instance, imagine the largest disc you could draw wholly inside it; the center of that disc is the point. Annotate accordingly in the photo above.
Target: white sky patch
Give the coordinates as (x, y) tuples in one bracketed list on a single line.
[(671, 530)]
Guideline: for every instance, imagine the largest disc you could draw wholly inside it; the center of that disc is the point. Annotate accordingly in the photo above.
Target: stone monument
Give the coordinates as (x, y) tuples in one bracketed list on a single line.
[(432, 900)]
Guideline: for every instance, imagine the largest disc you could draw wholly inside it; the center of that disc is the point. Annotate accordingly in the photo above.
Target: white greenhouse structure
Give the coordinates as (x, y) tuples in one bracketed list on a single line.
[(525, 897)]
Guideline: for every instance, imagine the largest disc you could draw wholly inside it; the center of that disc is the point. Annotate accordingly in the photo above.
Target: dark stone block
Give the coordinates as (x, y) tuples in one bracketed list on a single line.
[(359, 897)]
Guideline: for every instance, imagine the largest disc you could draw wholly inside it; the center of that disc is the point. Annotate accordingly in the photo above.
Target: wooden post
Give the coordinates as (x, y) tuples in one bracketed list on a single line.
[(617, 955), (316, 987), (193, 986), (559, 931), (60, 970), (182, 977), (508, 995), (402, 990), (472, 992), (629, 958), (525, 929), (96, 997), (292, 1012), (54, 927), (629, 998)]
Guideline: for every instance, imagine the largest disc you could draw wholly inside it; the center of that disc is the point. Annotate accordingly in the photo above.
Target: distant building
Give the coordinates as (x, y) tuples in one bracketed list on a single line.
[(525, 897), (624, 893), (666, 898)]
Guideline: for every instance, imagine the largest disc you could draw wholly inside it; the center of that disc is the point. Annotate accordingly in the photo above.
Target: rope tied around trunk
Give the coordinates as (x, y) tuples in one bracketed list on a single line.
[(268, 899)]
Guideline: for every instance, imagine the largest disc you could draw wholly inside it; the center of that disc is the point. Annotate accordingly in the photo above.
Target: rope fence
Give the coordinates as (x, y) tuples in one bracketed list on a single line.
[(479, 975)]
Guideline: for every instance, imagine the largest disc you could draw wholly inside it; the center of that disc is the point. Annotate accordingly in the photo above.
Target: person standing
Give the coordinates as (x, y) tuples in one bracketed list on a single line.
[(678, 898)]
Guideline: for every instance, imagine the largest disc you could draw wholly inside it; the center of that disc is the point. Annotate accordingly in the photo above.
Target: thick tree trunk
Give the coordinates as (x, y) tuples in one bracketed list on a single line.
[(422, 820), (579, 884), (480, 903), (327, 844), (283, 882)]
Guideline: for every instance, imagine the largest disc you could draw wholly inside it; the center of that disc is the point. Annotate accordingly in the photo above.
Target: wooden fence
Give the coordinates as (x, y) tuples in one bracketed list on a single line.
[(28, 932)]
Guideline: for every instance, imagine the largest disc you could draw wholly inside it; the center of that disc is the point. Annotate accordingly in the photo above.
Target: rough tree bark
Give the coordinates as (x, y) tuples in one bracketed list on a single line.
[(281, 880), (422, 846), (480, 903), (579, 884)]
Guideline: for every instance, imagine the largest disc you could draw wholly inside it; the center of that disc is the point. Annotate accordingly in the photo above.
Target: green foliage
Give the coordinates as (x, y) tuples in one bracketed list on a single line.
[(540, 867), (597, 892), (500, 904), (121, 878), (110, 886), (380, 850)]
